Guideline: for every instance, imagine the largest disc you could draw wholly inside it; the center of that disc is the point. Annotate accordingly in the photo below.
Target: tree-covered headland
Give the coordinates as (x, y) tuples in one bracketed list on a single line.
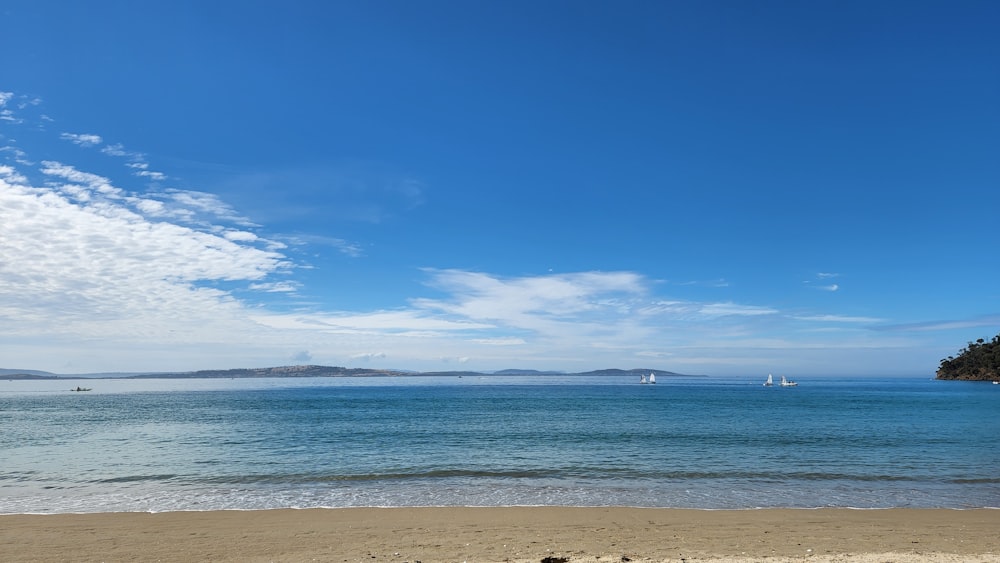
[(979, 361)]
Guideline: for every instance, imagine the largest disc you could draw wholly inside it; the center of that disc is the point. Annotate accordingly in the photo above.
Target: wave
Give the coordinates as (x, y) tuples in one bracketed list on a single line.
[(595, 477)]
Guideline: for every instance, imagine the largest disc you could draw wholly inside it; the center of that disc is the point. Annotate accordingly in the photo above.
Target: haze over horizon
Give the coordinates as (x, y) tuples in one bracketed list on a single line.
[(717, 188)]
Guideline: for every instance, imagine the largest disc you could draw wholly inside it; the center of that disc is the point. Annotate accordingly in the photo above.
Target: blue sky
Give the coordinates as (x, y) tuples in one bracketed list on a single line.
[(721, 188)]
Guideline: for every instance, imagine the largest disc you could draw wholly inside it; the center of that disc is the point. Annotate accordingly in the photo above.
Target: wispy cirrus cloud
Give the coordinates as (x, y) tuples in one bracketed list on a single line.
[(345, 247), (991, 320), (142, 169), (12, 104), (839, 319), (820, 282), (136, 160), (6, 113), (733, 309)]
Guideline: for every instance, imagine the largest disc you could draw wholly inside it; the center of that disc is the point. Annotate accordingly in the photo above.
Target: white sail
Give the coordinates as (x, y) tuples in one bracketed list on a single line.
[(652, 378), (769, 382)]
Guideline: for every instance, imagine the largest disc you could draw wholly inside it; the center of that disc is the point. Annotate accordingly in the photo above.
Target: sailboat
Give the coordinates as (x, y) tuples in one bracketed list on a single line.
[(787, 383), (642, 379), (769, 382), (652, 378)]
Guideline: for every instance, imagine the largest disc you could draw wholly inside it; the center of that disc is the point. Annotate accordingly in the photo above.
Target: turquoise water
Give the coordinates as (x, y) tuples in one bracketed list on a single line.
[(158, 445)]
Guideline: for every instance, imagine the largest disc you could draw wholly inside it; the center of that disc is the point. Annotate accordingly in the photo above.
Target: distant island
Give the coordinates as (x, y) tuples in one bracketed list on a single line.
[(325, 371), (978, 361)]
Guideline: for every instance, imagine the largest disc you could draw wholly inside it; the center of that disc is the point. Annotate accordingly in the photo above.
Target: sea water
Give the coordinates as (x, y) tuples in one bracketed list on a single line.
[(186, 444)]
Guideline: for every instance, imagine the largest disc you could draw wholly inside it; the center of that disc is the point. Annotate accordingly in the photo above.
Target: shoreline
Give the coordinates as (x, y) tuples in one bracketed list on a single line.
[(508, 534)]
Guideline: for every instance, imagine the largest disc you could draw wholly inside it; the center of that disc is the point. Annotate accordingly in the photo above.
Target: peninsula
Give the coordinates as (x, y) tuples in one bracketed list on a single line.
[(978, 361)]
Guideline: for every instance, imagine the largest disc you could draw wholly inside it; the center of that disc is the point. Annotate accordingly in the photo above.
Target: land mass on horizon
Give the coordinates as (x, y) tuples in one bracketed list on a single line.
[(320, 371)]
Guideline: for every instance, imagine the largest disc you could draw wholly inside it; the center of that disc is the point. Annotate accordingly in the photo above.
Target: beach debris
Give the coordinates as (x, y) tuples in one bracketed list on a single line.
[(555, 560)]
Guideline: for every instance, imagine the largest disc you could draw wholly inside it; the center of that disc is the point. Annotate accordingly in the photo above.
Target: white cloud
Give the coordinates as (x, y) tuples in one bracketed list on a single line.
[(205, 203), (12, 176), (19, 155), (368, 356), (276, 287), (155, 176), (831, 287), (240, 236), (85, 184), (5, 113), (149, 207), (118, 149), (514, 300), (84, 139), (96, 270)]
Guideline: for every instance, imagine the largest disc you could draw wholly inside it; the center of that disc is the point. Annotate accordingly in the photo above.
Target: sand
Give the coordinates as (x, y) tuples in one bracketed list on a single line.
[(579, 535)]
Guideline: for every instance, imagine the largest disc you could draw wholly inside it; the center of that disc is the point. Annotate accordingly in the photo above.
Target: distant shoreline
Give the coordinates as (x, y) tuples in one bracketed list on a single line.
[(327, 371)]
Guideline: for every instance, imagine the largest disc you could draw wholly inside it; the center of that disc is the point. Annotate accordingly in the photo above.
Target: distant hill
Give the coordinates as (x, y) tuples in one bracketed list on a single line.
[(979, 361), (25, 374), (282, 371), (13, 374), (322, 371), (527, 372)]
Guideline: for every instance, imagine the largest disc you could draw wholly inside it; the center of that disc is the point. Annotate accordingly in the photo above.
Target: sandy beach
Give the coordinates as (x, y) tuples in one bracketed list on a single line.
[(506, 534)]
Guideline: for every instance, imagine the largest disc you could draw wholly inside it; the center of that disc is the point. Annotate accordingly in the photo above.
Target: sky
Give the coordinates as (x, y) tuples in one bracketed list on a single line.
[(720, 188)]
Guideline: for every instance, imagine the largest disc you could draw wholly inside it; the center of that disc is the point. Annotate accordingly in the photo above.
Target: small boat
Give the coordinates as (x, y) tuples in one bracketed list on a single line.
[(81, 389), (787, 382), (642, 379), (769, 382), (652, 378)]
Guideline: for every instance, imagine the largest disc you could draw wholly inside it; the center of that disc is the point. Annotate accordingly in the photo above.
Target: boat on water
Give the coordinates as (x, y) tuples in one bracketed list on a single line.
[(643, 380), (81, 389), (652, 378), (787, 382), (769, 382)]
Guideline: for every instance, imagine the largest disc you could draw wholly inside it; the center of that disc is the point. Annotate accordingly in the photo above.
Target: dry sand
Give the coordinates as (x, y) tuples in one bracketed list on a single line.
[(578, 535)]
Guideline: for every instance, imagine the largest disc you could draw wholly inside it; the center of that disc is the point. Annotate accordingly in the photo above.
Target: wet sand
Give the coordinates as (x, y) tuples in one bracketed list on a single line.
[(513, 534)]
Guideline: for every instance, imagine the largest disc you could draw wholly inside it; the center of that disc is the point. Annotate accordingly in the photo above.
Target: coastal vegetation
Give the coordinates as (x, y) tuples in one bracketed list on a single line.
[(978, 361)]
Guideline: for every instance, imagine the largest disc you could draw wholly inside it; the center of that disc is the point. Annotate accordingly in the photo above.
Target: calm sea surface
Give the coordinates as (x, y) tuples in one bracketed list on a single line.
[(159, 445)]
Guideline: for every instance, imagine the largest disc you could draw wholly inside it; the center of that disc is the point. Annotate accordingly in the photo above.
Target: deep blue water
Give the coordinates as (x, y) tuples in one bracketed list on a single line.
[(156, 445)]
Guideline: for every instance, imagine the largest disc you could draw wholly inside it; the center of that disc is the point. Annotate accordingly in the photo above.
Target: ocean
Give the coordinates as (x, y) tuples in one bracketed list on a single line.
[(154, 445)]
